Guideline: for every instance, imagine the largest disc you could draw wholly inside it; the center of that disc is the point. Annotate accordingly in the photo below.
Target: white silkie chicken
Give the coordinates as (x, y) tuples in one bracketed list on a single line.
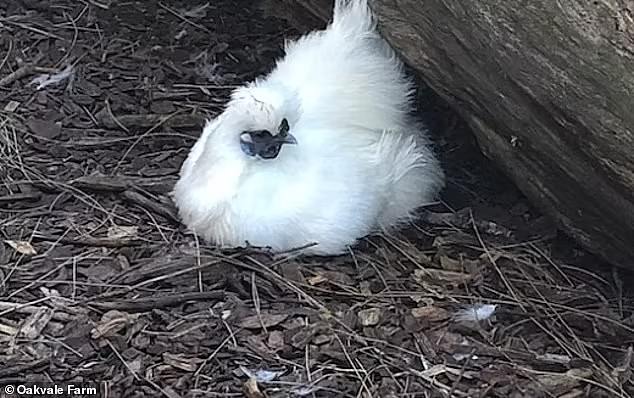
[(320, 151)]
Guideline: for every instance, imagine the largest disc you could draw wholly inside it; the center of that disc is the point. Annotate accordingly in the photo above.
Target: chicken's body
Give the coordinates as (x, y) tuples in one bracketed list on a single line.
[(361, 163)]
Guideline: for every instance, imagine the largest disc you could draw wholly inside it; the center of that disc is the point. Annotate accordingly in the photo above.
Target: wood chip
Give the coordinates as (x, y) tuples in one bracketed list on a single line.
[(265, 320), (431, 313), (33, 325), (188, 364), (22, 247), (122, 231), (316, 280), (370, 316), (44, 128), (11, 106), (150, 120)]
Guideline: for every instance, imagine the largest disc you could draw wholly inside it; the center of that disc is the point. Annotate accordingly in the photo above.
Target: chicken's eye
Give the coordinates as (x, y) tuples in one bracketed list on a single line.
[(270, 151), (247, 148), (247, 144)]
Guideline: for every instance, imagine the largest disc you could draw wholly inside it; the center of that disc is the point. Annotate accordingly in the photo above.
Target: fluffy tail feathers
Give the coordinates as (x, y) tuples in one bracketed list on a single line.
[(353, 17)]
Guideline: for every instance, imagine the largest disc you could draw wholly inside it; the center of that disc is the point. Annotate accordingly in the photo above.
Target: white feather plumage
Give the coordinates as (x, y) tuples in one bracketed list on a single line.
[(361, 163)]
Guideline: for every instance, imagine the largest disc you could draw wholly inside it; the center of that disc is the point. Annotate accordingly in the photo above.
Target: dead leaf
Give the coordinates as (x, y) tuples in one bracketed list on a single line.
[(301, 336), (451, 278), (459, 219), (257, 345), (449, 264), (22, 247), (251, 389), (111, 323), (365, 287), (574, 394), (44, 128), (292, 272), (123, 262), (623, 373), (197, 12), (336, 277), (276, 341), (560, 383), (169, 392), (370, 316), (455, 238), (220, 48), (265, 320), (8, 330)]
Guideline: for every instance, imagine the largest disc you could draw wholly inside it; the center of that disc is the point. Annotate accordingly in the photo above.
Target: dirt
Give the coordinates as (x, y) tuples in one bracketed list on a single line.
[(101, 284)]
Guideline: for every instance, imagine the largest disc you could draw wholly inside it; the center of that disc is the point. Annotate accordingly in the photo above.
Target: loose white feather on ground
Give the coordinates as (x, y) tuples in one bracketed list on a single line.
[(322, 150), (475, 313)]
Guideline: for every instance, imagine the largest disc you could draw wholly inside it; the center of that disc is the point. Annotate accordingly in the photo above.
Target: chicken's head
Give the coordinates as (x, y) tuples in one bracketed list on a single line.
[(262, 144)]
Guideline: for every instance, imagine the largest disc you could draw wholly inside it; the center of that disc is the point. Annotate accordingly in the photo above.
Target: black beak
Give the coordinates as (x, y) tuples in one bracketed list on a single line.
[(286, 139)]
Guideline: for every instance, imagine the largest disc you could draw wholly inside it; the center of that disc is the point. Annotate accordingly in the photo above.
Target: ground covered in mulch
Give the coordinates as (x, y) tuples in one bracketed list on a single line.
[(99, 283)]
